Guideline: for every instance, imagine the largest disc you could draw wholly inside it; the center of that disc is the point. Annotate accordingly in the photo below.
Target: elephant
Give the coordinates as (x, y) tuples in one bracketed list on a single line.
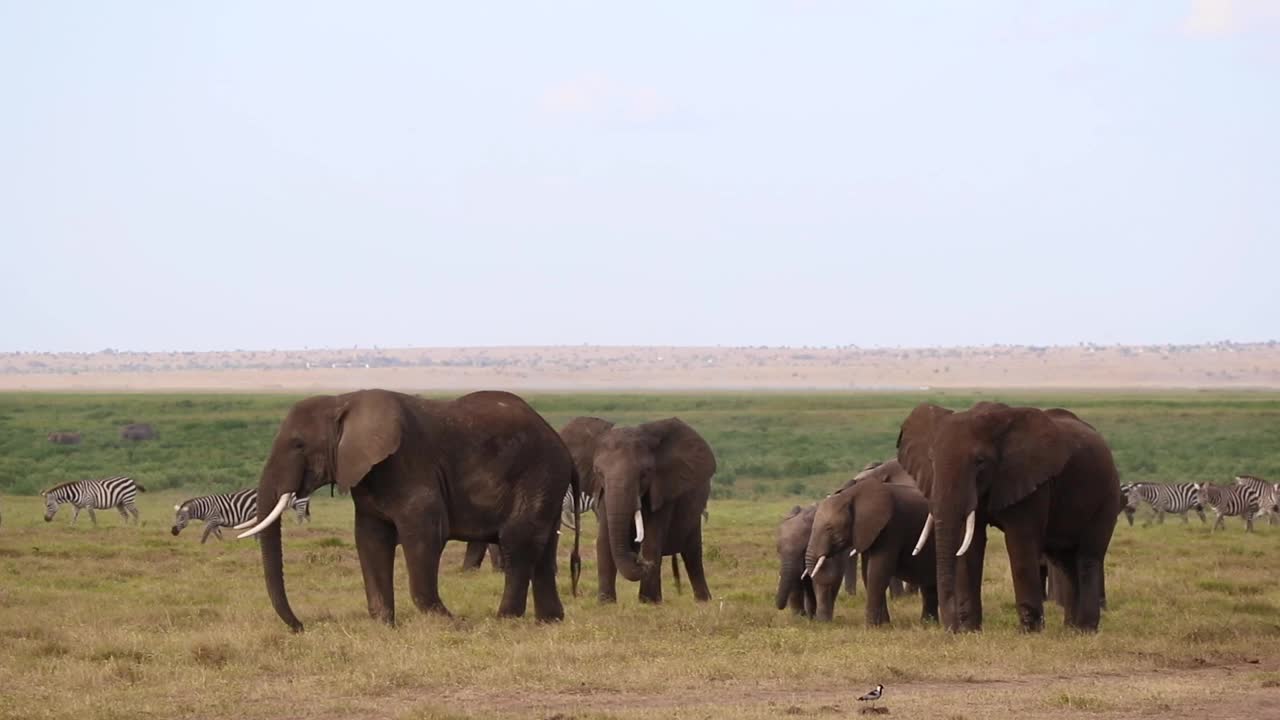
[(810, 595), (1046, 478), (881, 522), (474, 557), (137, 431), (888, 471), (483, 467), (655, 478)]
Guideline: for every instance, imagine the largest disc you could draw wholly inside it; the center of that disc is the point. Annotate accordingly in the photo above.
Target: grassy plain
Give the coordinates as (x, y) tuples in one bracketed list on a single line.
[(132, 623)]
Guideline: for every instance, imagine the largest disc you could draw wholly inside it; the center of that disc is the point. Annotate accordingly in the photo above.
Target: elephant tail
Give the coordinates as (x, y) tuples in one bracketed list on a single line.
[(675, 570), (575, 560)]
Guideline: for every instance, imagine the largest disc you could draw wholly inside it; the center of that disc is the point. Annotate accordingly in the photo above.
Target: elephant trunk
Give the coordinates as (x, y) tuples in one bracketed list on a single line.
[(621, 520), (273, 570), (946, 541), (788, 581)]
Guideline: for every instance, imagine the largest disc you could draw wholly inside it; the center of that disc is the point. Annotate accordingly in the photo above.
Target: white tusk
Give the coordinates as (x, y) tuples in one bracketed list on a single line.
[(968, 534), (818, 566), (245, 524), (924, 535), (639, 527), (281, 504), (804, 574), (853, 552)]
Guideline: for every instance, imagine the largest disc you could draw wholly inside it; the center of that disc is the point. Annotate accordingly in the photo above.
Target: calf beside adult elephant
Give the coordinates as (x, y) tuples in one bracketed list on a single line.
[(484, 467), (881, 522), (811, 594), (650, 484), (1044, 477)]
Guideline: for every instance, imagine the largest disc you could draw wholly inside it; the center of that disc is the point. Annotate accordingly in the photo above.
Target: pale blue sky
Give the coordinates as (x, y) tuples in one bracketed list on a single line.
[(180, 175)]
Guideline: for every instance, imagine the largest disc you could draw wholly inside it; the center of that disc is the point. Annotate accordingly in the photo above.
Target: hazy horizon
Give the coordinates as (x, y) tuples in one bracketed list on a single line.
[(188, 177)]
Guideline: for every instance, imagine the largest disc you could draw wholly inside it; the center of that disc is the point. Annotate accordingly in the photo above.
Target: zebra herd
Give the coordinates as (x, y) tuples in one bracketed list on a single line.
[(234, 510), (1249, 498)]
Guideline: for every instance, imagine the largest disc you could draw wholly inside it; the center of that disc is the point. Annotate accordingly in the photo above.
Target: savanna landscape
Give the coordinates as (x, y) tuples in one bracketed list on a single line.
[(121, 621)]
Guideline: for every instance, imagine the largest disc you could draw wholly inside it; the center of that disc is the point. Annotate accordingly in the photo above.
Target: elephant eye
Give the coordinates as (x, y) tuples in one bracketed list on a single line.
[(297, 444)]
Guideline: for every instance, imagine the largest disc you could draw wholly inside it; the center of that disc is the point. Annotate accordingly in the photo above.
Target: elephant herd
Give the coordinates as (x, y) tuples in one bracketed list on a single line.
[(487, 469)]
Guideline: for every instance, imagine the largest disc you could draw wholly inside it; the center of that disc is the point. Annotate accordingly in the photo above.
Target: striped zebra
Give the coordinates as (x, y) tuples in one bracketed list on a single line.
[(1268, 496), (1235, 500), (237, 510), (116, 492), (1173, 498), (1129, 507)]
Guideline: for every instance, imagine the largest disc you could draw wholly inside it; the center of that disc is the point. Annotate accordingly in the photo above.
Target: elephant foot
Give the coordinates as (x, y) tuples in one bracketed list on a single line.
[(551, 617), (435, 608), (650, 600), (608, 599)]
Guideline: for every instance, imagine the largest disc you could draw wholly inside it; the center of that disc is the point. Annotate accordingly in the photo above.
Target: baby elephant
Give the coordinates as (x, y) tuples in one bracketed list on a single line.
[(809, 595), (881, 522)]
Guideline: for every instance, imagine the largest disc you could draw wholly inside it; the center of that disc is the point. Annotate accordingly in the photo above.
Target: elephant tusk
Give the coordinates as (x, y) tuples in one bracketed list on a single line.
[(245, 524), (281, 504), (818, 566), (853, 552), (968, 534), (639, 527), (804, 574), (924, 535)]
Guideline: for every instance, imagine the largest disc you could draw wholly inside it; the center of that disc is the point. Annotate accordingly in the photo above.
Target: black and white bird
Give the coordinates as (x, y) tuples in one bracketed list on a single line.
[(874, 695)]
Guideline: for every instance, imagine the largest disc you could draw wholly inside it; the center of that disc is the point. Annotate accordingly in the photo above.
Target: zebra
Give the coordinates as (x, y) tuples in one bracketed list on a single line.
[(236, 510), (117, 492), (1175, 498), (1268, 496), (1237, 500), (1130, 506)]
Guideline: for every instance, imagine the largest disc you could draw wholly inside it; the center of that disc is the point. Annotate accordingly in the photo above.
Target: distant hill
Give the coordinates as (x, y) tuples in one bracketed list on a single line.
[(1220, 365)]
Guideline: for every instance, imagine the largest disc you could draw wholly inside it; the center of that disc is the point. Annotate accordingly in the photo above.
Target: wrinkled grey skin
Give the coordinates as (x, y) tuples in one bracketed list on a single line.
[(663, 470), (484, 467), (881, 521), (810, 596)]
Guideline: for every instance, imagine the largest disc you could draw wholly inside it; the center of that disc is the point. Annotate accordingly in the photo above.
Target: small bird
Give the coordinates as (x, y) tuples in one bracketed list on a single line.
[(874, 695)]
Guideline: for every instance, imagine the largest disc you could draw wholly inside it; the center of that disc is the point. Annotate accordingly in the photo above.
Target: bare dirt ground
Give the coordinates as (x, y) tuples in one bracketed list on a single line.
[(1218, 691), (579, 368)]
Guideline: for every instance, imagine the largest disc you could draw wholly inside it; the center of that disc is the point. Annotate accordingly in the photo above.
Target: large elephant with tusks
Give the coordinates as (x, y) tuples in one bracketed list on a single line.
[(484, 467)]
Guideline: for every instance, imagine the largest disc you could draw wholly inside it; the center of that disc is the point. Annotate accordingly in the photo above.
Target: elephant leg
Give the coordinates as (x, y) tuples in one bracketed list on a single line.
[(521, 553), (895, 588), (968, 603), (474, 556), (651, 585), (1089, 592), (693, 568), (546, 596), (606, 570), (1024, 563), (929, 603), (825, 596), (795, 601), (496, 563), (876, 574), (851, 576), (376, 547), (422, 547)]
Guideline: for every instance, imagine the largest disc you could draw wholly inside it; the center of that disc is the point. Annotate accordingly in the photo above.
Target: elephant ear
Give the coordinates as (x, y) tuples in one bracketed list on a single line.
[(872, 506), (682, 460), (915, 444), (369, 432), (582, 436), (1033, 450)]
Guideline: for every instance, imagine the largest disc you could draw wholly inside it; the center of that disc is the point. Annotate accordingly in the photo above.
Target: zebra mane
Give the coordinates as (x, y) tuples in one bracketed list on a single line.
[(1249, 477), (59, 487)]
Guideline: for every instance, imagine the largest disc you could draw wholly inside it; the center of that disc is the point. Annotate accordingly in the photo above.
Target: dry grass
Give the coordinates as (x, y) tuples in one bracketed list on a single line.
[(130, 622)]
